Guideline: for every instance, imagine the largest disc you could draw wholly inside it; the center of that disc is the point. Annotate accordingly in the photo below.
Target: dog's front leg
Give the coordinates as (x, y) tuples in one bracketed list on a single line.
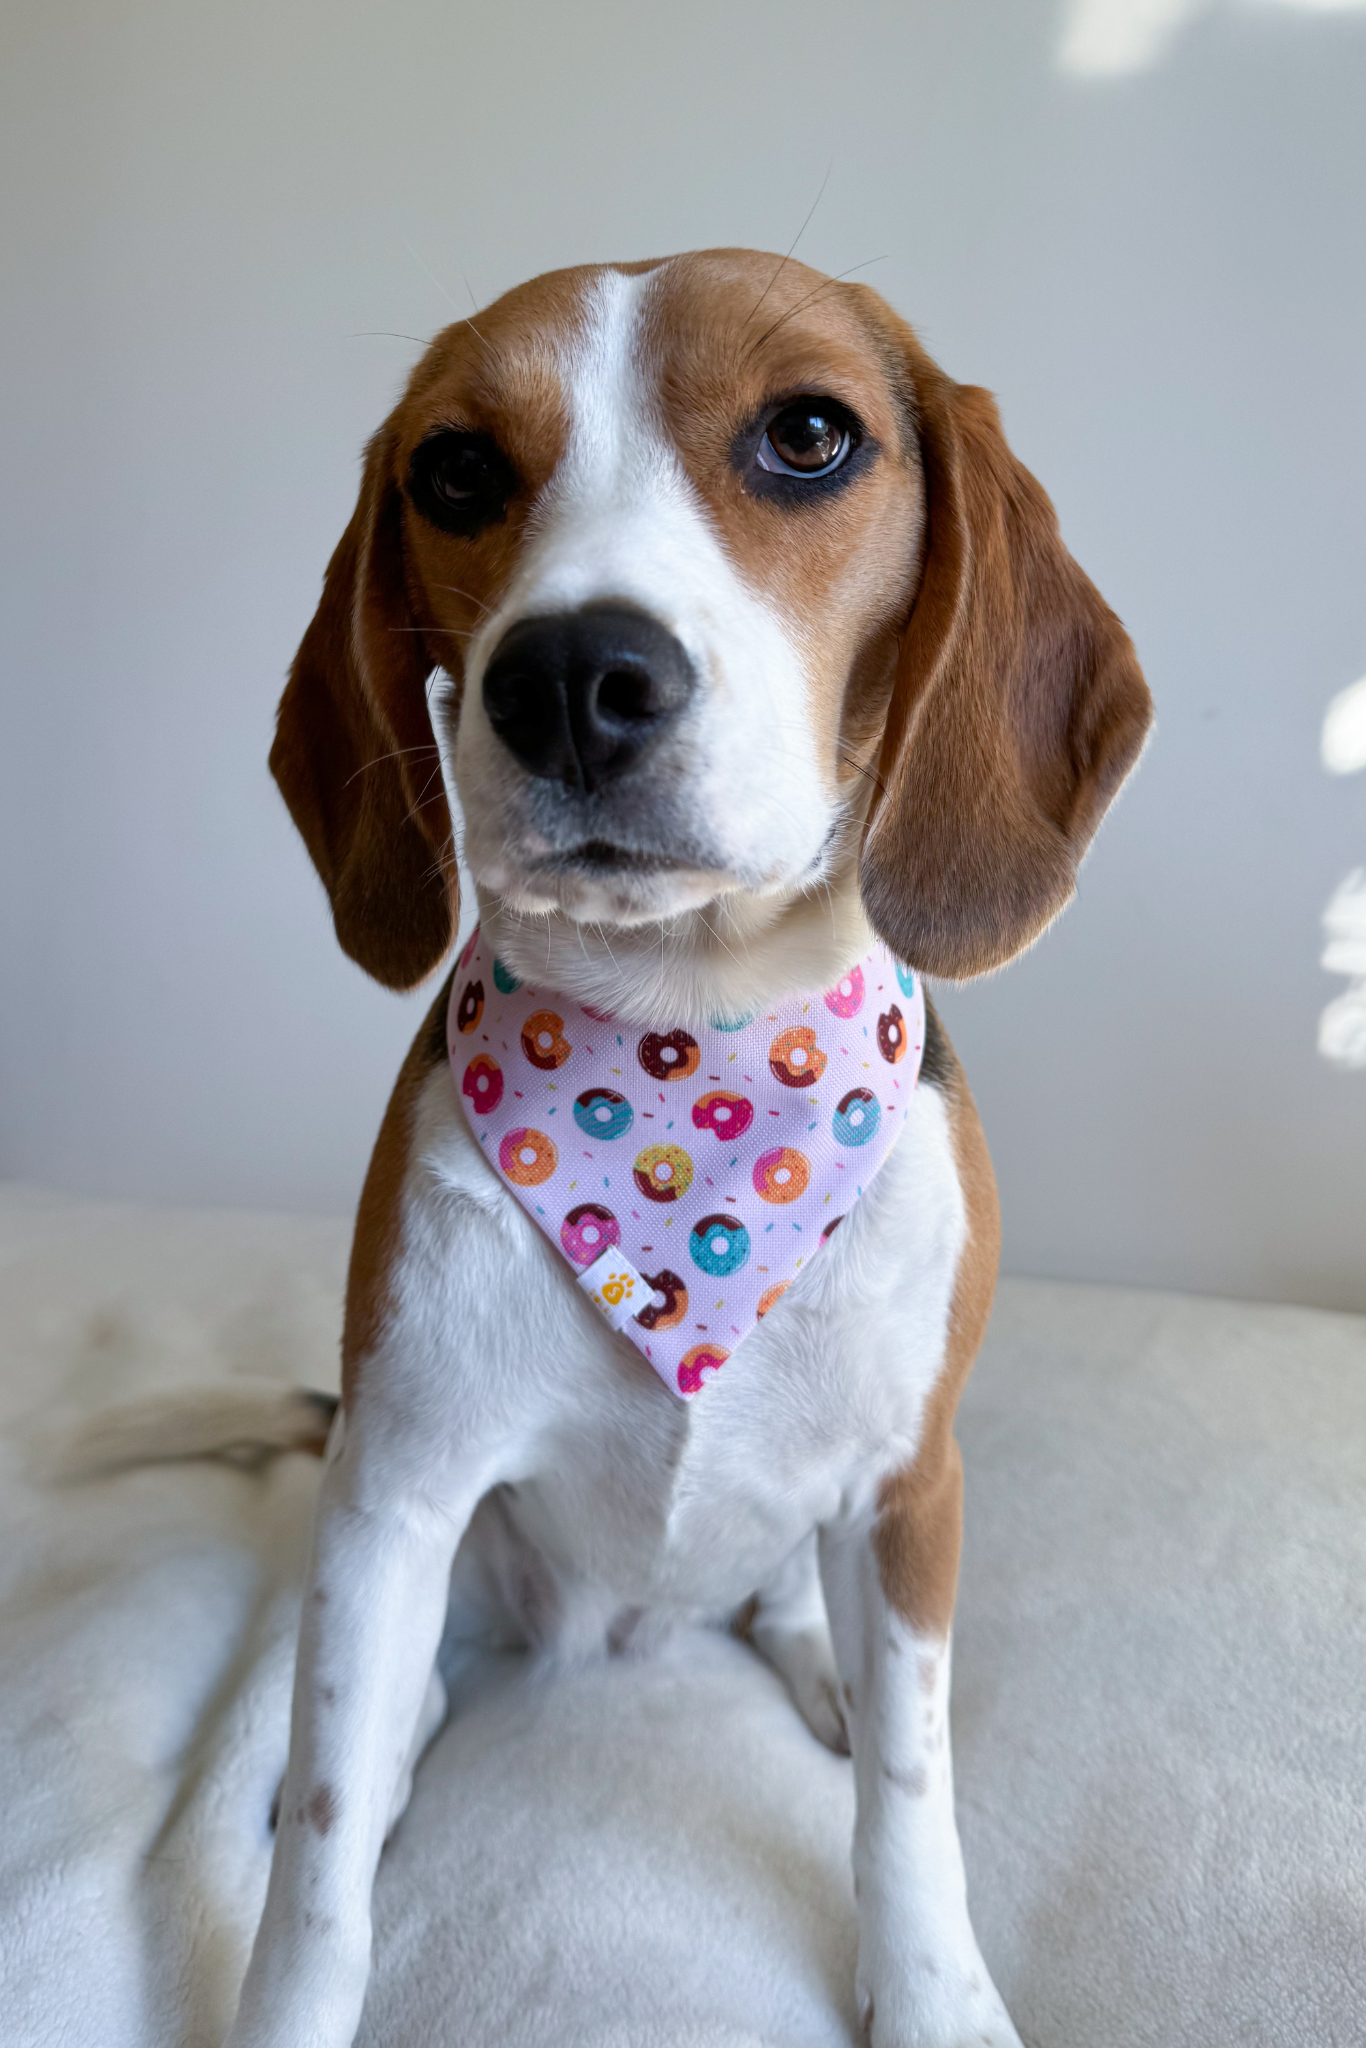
[(890, 1584), (373, 1615)]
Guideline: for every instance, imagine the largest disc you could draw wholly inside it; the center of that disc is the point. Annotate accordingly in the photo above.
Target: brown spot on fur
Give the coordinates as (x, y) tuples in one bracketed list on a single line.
[(322, 1808), (376, 1241), (920, 1509)]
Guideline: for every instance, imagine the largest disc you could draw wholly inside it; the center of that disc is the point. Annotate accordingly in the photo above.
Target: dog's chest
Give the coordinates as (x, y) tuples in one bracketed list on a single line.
[(693, 1504)]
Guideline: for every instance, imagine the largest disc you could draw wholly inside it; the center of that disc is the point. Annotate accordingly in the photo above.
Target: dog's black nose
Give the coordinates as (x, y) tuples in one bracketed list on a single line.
[(579, 696)]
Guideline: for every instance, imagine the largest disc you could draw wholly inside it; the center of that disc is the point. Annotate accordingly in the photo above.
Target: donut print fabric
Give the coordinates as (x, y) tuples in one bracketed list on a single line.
[(686, 1180)]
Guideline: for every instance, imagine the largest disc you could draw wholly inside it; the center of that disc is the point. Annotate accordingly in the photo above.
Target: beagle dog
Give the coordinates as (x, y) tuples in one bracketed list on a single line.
[(744, 650)]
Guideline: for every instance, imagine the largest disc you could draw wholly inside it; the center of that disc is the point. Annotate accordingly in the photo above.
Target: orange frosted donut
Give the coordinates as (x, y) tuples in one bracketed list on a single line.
[(663, 1173), (771, 1295), (543, 1040), (781, 1175), (891, 1035), (470, 1008), (795, 1058), (527, 1157), (668, 1055)]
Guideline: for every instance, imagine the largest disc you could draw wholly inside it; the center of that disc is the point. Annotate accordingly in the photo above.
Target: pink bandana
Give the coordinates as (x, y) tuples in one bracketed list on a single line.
[(686, 1180)]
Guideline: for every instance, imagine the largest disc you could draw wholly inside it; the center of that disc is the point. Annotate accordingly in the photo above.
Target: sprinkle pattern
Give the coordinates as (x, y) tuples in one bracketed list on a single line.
[(708, 1170)]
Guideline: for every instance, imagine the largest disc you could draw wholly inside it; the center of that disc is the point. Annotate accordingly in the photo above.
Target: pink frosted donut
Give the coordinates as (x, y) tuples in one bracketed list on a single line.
[(471, 942), (782, 1174), (588, 1231), (845, 999), (730, 1116), (483, 1084), (702, 1358)]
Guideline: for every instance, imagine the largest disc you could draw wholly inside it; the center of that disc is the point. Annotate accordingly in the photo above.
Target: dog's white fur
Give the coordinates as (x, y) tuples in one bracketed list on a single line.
[(497, 1416)]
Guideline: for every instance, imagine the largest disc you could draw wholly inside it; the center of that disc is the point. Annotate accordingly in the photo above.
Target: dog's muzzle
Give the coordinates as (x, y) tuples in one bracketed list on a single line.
[(579, 696)]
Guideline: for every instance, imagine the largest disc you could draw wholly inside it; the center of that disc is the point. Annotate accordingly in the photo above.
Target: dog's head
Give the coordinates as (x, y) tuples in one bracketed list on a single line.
[(735, 591)]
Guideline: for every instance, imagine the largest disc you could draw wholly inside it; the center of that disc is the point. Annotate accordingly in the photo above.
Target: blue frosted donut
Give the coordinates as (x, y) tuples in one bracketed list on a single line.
[(857, 1117), (602, 1113), (905, 978), (504, 979), (719, 1245)]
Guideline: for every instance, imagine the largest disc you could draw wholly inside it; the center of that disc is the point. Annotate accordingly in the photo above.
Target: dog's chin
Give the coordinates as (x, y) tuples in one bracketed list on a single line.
[(602, 885)]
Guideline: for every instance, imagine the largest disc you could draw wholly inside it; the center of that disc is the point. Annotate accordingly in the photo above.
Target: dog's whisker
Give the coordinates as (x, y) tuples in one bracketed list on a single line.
[(795, 239), (826, 285)]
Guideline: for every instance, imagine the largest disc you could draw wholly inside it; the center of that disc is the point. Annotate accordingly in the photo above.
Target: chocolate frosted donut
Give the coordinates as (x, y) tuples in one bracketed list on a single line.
[(543, 1040), (719, 1245), (891, 1035), (668, 1055), (795, 1059), (856, 1119), (602, 1113), (665, 1314), (470, 1007)]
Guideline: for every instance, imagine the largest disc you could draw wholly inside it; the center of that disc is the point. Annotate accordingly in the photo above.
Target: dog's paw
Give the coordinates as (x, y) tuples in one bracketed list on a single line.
[(805, 1661), (933, 1998)]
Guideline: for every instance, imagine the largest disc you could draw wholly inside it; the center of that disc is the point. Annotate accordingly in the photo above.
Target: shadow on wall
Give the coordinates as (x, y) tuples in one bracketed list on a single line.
[(1342, 1027), (1107, 38)]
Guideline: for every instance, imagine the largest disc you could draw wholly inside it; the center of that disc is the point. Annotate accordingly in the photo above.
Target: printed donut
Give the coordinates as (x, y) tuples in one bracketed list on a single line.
[(483, 1083), (663, 1173), (471, 942), (732, 1023), (831, 1227), (795, 1058), (504, 980), (470, 1007), (891, 1035), (598, 1016), (905, 980), (857, 1117), (845, 999), (730, 1116), (770, 1296), (588, 1231), (668, 1055), (781, 1175), (719, 1245), (527, 1157), (544, 1042), (602, 1113), (668, 1313), (702, 1358)]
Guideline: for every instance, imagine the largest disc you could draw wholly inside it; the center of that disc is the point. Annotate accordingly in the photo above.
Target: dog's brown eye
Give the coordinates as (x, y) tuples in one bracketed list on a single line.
[(807, 438), (460, 481)]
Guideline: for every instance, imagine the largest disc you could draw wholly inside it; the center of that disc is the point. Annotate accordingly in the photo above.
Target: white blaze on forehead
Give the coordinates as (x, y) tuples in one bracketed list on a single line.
[(621, 519)]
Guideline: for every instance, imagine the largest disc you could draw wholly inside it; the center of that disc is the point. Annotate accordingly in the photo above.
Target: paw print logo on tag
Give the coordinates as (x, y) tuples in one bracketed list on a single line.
[(614, 1286)]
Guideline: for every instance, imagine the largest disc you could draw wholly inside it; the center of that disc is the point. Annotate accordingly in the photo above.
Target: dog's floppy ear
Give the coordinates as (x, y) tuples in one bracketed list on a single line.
[(1017, 709), (354, 751)]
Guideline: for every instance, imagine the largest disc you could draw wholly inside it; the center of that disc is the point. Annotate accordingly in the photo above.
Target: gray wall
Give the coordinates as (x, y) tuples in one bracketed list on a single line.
[(211, 210)]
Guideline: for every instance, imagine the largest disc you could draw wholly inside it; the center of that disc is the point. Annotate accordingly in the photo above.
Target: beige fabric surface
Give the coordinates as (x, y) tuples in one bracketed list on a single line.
[(1158, 1714)]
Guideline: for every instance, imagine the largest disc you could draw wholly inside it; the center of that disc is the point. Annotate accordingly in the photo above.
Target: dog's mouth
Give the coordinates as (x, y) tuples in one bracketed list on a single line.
[(605, 857)]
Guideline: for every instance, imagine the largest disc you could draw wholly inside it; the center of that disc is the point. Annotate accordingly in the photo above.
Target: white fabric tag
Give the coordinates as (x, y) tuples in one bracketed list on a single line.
[(613, 1283)]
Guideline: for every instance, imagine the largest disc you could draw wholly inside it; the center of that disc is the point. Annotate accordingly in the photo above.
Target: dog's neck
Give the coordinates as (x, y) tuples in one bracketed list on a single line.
[(736, 955)]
